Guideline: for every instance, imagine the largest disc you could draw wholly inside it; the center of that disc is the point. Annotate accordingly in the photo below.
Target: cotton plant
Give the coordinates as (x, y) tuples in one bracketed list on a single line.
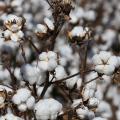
[(59, 59)]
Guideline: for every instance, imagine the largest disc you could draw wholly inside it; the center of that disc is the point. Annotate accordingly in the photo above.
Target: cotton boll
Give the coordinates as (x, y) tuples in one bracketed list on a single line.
[(47, 109), (41, 28), (90, 15), (77, 32), (52, 64), (82, 113), (16, 100), (70, 83), (91, 115), (52, 55), (105, 56), (60, 72), (63, 61), (43, 65), (30, 73), (99, 68), (23, 94), (7, 33), (43, 56), (66, 49), (49, 23), (105, 109), (22, 107), (93, 103), (99, 94), (108, 69), (87, 94), (113, 61), (96, 59), (30, 102), (73, 17)]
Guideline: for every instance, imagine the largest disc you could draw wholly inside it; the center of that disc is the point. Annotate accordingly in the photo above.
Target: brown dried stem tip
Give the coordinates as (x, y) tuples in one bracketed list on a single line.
[(60, 8)]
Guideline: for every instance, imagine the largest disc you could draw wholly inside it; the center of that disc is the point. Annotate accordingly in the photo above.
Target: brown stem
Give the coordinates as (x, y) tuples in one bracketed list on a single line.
[(84, 61), (47, 84)]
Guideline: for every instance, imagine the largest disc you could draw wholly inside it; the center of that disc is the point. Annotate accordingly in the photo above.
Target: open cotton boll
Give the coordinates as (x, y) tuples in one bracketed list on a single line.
[(30, 73), (82, 113), (105, 63), (43, 65), (41, 28), (48, 61), (90, 15), (87, 94), (23, 94), (63, 61), (78, 32), (49, 23), (93, 103), (22, 107), (16, 99), (96, 59), (60, 72), (99, 68), (52, 55), (47, 109), (30, 102), (104, 55), (43, 56), (109, 69), (70, 83), (104, 109), (52, 64), (66, 52), (91, 115), (113, 61)]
